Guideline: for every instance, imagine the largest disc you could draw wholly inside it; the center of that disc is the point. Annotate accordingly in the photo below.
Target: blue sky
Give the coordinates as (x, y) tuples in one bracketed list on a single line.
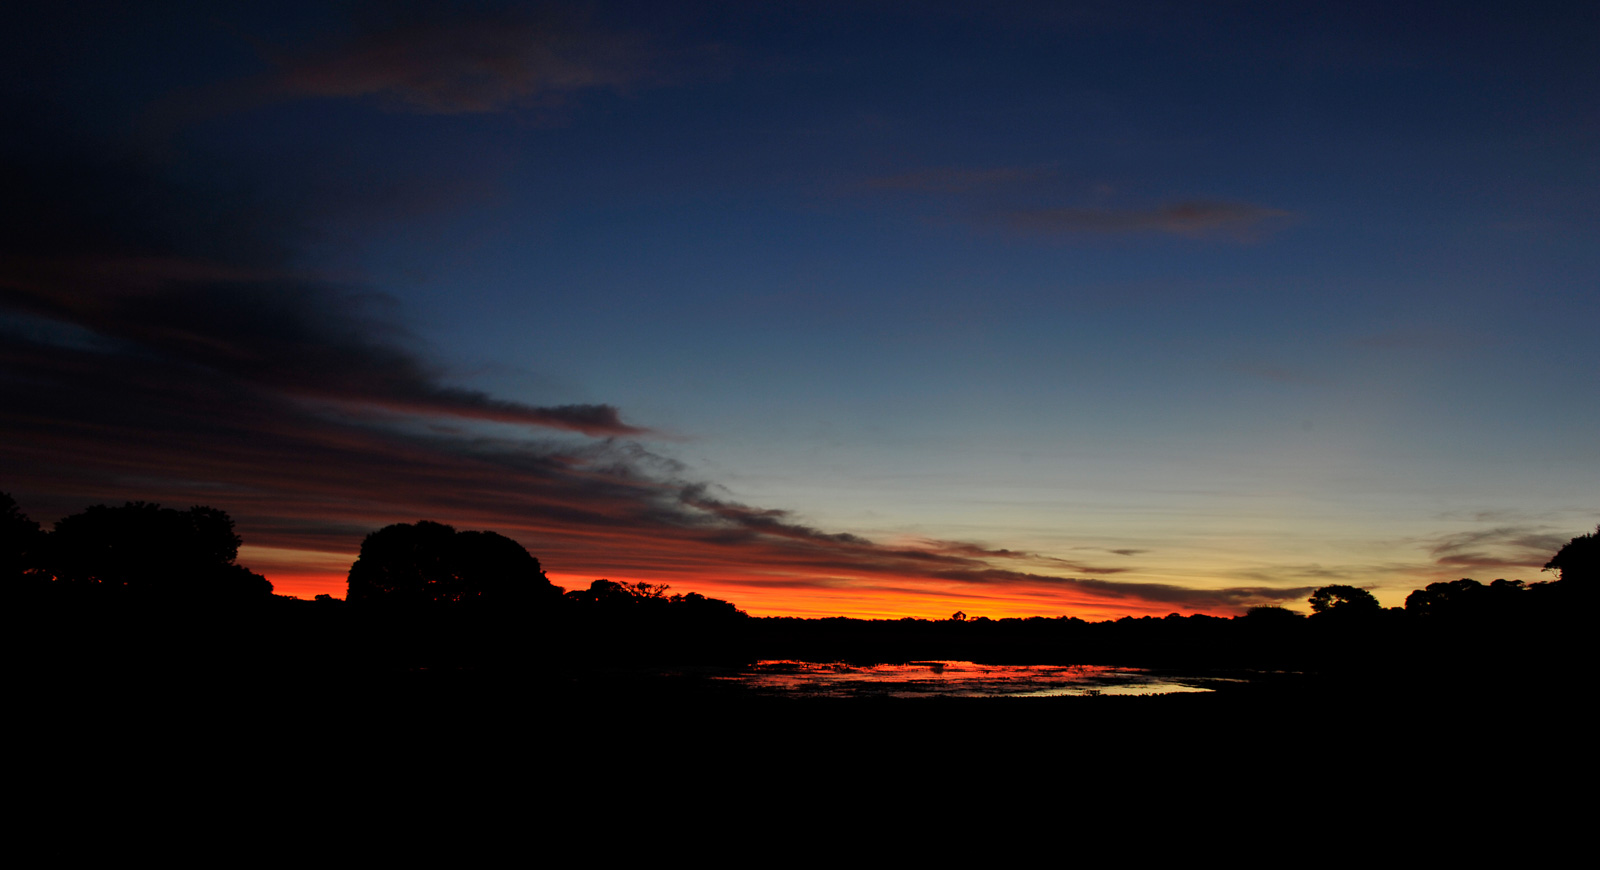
[(1267, 295)]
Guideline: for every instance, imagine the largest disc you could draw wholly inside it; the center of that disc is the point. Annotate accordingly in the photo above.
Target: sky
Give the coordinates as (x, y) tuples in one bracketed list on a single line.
[(827, 309)]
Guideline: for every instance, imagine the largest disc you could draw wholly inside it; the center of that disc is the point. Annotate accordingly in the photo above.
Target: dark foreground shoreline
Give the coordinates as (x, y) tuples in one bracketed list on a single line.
[(300, 712), (572, 753)]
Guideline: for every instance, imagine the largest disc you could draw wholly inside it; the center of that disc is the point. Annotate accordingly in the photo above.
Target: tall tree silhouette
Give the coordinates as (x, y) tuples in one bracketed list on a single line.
[(429, 564), (143, 551), (20, 541)]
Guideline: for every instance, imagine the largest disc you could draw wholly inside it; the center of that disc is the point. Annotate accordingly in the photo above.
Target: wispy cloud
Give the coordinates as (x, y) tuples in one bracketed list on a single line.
[(1503, 548), (447, 64), (952, 179), (991, 555), (90, 425), (201, 368), (992, 195), (150, 269), (1195, 219)]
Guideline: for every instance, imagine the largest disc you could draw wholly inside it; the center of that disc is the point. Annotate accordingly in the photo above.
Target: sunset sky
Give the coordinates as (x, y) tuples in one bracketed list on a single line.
[(858, 308)]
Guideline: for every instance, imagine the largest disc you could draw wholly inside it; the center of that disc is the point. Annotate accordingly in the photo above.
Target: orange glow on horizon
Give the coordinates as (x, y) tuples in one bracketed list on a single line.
[(307, 585), (757, 599)]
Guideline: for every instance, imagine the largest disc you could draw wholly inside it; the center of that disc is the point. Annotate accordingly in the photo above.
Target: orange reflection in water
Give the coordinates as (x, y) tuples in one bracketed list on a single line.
[(950, 679)]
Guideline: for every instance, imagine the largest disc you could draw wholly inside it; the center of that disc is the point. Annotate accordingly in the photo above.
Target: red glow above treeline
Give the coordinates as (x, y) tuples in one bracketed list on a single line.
[(305, 483), (781, 570), (760, 598)]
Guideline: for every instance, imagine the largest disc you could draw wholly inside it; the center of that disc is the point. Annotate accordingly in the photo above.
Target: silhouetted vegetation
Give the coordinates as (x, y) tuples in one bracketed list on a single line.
[(1343, 602), (1578, 561), (144, 552), (431, 565), (163, 585), (135, 589), (20, 540)]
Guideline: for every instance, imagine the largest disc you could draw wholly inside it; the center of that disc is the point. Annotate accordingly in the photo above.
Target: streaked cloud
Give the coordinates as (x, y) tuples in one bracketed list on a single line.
[(1503, 548), (145, 267), (91, 425), (982, 188), (952, 179), (445, 64), (180, 357), (1195, 219)]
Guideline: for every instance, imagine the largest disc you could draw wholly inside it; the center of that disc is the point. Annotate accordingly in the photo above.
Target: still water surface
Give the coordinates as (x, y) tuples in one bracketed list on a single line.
[(951, 679)]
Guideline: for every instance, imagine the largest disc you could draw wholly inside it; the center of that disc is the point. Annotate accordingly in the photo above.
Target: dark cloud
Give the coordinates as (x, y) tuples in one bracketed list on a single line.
[(1116, 552), (766, 521), (1366, 575), (1503, 548), (89, 425), (160, 346), (450, 64), (103, 243), (950, 179), (978, 552), (297, 337), (1199, 218), (92, 425)]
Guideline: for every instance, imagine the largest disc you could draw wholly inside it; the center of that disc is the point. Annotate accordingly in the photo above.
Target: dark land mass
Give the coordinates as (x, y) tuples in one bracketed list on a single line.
[(138, 643)]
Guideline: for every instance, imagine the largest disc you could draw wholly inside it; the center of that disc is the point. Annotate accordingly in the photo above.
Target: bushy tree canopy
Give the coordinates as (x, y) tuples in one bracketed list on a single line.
[(609, 596), (1579, 559), (1466, 597), (20, 539), (143, 550), (428, 564), (1343, 600), (1272, 613)]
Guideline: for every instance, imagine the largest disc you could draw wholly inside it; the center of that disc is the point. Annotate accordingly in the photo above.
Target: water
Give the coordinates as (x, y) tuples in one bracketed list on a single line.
[(952, 679)]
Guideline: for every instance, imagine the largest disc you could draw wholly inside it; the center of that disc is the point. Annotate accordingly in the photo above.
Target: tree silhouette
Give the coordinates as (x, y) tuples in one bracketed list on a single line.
[(1343, 600), (1444, 599), (1272, 614), (20, 541), (428, 564), (650, 600), (613, 596), (145, 551), (695, 606), (1578, 560)]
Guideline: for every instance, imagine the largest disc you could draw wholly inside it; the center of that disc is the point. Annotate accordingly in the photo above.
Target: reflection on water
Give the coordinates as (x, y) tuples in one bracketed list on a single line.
[(955, 680)]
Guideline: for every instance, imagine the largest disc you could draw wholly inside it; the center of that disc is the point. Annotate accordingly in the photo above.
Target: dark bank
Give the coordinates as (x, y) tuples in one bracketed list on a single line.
[(144, 593)]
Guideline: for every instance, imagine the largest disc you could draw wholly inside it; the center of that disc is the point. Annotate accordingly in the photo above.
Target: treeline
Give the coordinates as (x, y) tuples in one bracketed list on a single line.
[(141, 586), (1541, 627), (1463, 627)]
